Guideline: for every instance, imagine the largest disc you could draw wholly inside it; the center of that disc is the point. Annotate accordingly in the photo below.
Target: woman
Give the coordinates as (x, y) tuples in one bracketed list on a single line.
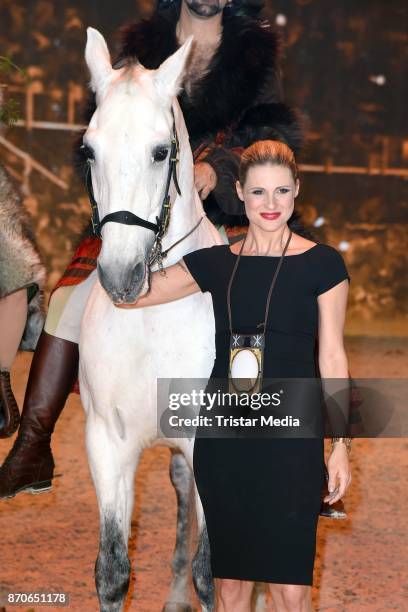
[(261, 497), (22, 278)]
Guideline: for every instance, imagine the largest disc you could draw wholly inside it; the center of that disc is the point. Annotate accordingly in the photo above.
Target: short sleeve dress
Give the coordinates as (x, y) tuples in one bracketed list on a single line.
[(261, 497)]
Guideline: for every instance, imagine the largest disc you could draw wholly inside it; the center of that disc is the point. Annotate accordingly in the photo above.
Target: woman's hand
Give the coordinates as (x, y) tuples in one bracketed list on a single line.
[(176, 283), (339, 473), (205, 179)]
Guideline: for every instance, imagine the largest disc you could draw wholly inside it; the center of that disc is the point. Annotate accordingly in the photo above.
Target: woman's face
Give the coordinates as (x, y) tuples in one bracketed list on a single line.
[(269, 195)]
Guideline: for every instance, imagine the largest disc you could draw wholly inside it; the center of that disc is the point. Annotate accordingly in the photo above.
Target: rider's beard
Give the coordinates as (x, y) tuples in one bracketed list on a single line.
[(205, 8)]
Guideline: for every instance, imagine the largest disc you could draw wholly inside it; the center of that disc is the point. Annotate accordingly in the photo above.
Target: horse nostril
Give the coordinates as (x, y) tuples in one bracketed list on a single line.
[(121, 282), (139, 270)]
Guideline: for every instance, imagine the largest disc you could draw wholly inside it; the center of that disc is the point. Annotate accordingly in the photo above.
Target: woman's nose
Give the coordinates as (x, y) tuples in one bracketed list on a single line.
[(271, 202)]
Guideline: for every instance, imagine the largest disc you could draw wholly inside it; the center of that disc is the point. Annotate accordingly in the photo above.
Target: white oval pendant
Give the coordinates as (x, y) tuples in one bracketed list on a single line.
[(244, 366)]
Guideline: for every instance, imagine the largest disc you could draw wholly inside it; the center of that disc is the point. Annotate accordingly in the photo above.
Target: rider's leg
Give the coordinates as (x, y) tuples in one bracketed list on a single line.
[(30, 465), (13, 317)]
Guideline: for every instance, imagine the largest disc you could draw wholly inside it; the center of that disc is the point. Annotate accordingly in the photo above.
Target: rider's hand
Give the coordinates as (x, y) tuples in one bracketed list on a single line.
[(205, 178), (339, 473)]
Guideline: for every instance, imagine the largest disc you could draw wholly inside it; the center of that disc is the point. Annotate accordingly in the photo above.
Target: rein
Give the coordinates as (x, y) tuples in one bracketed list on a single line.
[(126, 217)]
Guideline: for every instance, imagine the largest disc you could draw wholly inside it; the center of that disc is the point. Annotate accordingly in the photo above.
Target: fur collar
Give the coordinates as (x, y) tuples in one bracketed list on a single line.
[(247, 55)]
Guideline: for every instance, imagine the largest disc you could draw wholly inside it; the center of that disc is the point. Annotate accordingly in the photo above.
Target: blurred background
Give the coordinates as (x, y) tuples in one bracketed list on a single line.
[(343, 67)]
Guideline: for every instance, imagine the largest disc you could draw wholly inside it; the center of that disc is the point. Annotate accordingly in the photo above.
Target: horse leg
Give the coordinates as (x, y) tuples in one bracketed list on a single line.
[(258, 599), (179, 599), (201, 565), (112, 461)]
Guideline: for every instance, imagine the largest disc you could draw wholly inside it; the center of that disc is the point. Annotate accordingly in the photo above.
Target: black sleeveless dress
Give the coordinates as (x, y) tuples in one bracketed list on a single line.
[(261, 496)]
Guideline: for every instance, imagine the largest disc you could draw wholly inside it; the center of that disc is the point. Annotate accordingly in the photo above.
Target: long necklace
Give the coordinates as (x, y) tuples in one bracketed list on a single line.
[(246, 351)]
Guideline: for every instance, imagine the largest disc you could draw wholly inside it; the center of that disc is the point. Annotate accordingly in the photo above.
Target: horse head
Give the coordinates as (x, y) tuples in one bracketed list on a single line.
[(128, 144)]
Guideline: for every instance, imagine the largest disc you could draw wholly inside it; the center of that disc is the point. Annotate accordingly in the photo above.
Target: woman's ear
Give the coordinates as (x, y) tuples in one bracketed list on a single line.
[(297, 187), (239, 190)]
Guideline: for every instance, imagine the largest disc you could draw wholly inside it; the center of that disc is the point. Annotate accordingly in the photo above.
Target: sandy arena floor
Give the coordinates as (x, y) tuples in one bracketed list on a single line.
[(50, 541)]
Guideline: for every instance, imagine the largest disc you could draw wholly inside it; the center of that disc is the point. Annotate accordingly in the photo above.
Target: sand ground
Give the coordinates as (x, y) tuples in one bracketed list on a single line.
[(49, 542)]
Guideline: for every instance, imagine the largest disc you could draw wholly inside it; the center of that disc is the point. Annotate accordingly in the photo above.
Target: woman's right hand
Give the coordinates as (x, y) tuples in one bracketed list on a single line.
[(174, 285), (338, 467)]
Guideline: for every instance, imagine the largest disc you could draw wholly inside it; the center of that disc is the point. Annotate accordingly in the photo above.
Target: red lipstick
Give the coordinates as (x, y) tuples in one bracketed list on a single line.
[(270, 216)]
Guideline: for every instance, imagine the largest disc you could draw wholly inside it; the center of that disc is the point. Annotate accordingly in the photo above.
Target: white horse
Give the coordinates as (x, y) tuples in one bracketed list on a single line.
[(123, 352)]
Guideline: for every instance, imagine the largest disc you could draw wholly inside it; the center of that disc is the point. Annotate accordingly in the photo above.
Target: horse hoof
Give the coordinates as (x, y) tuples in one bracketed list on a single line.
[(178, 607)]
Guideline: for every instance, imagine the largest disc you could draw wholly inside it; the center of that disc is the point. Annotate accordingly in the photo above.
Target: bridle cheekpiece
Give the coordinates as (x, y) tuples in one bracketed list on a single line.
[(126, 217)]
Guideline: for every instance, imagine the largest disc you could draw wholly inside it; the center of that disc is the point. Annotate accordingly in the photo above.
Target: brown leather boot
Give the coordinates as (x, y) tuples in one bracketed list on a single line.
[(9, 412), (29, 465)]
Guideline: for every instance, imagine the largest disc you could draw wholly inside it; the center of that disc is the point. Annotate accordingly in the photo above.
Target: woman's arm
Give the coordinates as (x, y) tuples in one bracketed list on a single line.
[(333, 364), (332, 306), (174, 285)]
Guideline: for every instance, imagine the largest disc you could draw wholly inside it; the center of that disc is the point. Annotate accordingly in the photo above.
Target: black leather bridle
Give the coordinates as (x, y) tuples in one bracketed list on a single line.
[(126, 217)]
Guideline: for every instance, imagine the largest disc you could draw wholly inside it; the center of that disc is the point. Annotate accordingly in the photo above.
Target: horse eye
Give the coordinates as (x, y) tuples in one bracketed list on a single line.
[(88, 152), (160, 154)]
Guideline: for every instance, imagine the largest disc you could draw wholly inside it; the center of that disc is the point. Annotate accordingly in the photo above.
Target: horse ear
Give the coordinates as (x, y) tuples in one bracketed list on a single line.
[(98, 59), (168, 77)]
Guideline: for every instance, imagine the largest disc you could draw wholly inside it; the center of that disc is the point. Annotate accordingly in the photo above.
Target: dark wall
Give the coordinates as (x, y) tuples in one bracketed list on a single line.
[(342, 66)]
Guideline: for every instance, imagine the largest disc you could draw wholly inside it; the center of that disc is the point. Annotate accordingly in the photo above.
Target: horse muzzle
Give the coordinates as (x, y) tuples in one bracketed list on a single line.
[(123, 284)]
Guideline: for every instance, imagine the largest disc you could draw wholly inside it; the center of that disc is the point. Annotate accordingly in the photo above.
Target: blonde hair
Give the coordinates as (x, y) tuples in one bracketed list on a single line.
[(264, 152)]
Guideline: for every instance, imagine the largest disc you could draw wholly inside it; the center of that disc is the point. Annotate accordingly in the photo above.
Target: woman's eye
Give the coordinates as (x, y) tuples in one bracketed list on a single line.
[(283, 190), (160, 154), (88, 152), (257, 192)]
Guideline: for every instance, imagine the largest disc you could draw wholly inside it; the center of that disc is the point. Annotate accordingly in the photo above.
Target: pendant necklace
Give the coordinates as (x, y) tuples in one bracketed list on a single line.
[(246, 351)]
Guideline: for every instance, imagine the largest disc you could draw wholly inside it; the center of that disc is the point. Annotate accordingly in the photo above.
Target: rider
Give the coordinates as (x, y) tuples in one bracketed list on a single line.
[(231, 97)]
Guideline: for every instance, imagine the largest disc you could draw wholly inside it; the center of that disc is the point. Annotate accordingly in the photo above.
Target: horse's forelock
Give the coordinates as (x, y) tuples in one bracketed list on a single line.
[(129, 67), (135, 74)]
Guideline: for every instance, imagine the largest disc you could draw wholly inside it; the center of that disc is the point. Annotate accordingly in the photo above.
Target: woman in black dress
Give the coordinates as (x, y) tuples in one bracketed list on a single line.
[(261, 495)]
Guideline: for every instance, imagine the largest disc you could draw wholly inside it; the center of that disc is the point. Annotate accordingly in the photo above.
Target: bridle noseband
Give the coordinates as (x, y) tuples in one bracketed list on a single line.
[(126, 217)]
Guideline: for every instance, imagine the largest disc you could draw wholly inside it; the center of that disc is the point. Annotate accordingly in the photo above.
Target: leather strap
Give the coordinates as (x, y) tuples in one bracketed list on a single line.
[(126, 217), (270, 288)]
